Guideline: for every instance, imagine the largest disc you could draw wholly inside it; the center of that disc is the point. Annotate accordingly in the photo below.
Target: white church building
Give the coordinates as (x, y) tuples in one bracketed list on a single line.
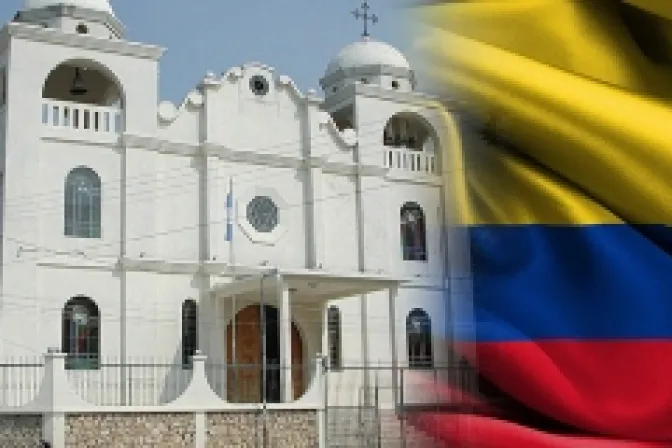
[(253, 224)]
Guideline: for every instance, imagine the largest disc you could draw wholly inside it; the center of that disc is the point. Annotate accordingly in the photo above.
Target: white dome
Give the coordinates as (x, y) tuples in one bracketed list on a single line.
[(97, 5), (368, 52)]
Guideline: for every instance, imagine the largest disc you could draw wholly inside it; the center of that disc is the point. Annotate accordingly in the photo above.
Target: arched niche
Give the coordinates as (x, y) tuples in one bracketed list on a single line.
[(410, 130), (83, 81)]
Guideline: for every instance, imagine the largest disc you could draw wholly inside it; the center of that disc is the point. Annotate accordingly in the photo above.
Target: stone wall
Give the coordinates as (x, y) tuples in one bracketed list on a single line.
[(20, 431), (241, 429), (128, 430), (296, 429)]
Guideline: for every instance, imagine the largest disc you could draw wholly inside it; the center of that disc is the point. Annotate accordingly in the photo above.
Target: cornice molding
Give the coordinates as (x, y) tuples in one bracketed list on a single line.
[(160, 145), (78, 137), (347, 94), (222, 152), (373, 170), (251, 156), (397, 176), (417, 99), (340, 168), (107, 264), (35, 15), (159, 266), (366, 70), (37, 33), (134, 264)]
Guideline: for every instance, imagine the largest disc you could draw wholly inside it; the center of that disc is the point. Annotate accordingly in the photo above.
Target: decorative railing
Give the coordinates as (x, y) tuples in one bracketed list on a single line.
[(410, 160), (82, 117)]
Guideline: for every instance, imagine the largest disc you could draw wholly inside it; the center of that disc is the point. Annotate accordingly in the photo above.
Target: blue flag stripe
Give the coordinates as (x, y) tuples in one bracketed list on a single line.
[(533, 282)]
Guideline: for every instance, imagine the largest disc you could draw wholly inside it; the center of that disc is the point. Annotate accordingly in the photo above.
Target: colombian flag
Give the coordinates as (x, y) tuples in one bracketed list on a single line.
[(567, 204)]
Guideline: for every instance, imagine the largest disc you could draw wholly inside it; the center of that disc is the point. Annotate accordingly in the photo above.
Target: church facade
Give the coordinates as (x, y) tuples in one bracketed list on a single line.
[(254, 224)]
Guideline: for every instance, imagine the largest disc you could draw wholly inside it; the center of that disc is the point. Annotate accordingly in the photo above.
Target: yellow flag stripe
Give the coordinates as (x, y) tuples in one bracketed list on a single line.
[(577, 120)]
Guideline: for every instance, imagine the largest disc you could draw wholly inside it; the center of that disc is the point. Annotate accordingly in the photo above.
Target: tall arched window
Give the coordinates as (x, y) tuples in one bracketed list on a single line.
[(82, 203), (413, 239), (81, 334), (419, 339), (334, 337), (189, 332)]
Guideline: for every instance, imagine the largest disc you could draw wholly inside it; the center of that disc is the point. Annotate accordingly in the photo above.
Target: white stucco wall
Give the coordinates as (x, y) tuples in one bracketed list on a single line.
[(164, 186)]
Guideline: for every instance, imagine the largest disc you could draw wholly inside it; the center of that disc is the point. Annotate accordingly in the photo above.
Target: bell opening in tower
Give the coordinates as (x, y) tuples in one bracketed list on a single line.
[(84, 83), (83, 95)]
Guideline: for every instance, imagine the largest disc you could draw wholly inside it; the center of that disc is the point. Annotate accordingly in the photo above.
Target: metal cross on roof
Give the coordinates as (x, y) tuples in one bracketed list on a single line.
[(363, 13)]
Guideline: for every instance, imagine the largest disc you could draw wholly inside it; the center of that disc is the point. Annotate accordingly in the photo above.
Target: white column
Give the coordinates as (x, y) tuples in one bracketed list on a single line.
[(216, 211), (285, 337), (319, 231)]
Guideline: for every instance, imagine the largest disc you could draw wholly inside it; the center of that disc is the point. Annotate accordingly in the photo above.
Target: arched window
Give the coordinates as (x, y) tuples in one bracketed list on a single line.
[(334, 337), (82, 203), (189, 332), (419, 339), (413, 239), (81, 334)]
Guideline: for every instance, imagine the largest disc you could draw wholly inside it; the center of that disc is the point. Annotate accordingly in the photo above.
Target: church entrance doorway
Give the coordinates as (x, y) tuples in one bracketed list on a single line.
[(244, 376)]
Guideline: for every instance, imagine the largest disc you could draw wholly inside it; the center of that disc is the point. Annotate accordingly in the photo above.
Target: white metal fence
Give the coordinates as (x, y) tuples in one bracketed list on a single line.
[(20, 381), (137, 382), (26, 382)]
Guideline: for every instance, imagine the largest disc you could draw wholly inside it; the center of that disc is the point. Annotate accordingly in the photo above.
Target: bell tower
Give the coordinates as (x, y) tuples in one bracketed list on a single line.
[(74, 95)]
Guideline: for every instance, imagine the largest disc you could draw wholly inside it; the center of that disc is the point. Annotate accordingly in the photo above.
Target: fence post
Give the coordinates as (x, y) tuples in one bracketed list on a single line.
[(199, 393), (323, 371), (402, 410), (127, 378), (379, 432), (55, 388)]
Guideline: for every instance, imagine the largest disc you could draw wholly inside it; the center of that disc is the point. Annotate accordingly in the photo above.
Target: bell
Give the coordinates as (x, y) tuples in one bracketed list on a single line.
[(78, 88)]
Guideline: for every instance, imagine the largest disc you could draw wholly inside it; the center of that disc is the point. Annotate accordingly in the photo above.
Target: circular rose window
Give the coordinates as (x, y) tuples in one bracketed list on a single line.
[(262, 214)]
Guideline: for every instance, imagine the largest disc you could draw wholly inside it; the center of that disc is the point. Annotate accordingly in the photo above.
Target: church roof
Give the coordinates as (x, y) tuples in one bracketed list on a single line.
[(368, 52), (96, 5)]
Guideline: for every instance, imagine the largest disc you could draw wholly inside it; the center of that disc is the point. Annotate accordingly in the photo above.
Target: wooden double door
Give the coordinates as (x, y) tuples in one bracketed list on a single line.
[(244, 377)]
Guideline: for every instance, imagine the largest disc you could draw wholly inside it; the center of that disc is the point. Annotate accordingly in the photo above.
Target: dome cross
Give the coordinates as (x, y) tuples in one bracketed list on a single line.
[(363, 13)]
